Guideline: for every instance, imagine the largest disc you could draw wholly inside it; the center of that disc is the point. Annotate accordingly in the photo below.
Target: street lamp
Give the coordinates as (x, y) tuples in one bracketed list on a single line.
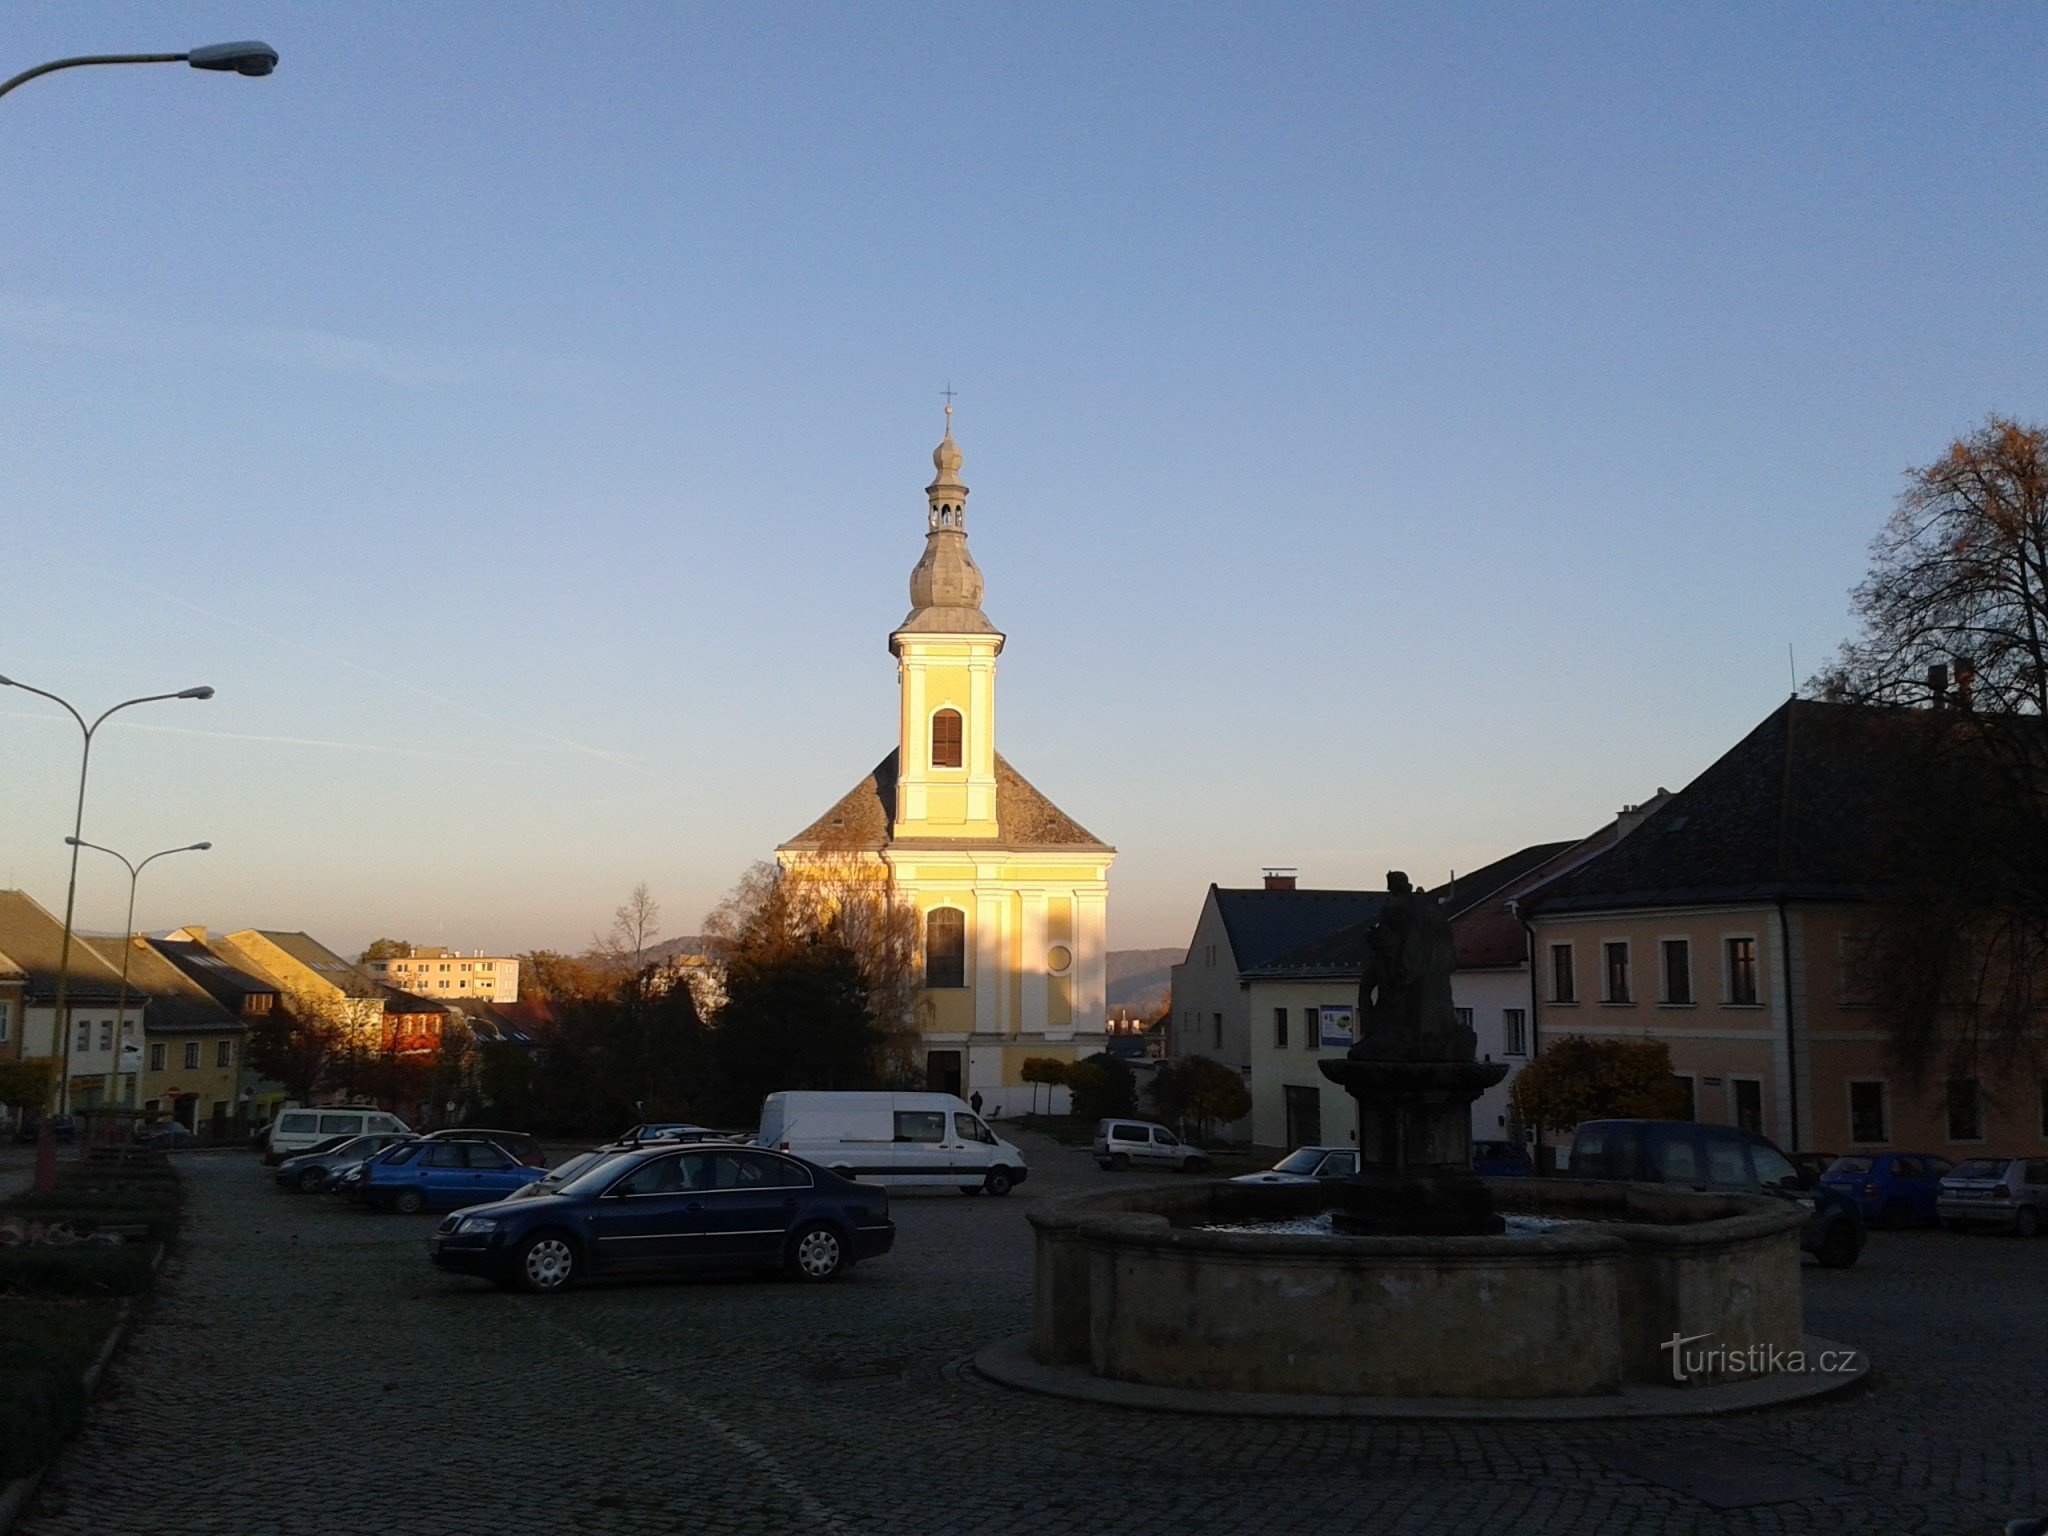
[(127, 943), (241, 58), (78, 827)]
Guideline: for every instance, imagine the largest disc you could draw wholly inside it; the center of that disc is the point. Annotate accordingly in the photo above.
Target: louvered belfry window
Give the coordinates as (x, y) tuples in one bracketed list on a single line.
[(946, 739)]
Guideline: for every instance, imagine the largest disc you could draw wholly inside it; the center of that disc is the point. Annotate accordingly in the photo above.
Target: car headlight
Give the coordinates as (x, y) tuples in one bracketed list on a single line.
[(477, 1224)]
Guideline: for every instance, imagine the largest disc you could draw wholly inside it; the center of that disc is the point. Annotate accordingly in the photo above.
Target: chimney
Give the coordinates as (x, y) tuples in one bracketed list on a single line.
[(1966, 680), (198, 932), (1937, 684), (1279, 879), (1629, 817)]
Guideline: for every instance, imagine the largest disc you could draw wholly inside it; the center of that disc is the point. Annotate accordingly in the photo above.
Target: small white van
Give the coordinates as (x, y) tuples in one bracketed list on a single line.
[(893, 1139), (294, 1130)]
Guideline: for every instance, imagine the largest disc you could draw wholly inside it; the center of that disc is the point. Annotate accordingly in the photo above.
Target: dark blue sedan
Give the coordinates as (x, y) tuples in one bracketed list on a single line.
[(672, 1208), (1892, 1189), (437, 1174)]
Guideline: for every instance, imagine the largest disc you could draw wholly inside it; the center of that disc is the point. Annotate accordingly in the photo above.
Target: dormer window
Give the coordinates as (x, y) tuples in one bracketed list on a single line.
[(946, 739)]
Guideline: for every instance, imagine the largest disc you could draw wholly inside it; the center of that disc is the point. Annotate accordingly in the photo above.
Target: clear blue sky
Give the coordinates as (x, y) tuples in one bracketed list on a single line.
[(1396, 434)]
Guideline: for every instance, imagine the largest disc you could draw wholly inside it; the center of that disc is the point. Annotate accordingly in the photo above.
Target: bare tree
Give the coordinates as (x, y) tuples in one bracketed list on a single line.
[(1954, 616), (635, 928)]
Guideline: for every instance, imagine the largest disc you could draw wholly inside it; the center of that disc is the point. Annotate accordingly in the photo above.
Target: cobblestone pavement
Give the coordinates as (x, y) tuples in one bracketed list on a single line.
[(304, 1370)]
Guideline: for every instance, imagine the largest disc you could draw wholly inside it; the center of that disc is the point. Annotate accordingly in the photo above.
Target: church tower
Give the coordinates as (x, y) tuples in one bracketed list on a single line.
[(1011, 894), (946, 651)]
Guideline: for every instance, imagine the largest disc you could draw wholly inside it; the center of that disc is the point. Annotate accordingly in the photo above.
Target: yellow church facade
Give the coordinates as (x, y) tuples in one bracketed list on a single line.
[(1011, 894)]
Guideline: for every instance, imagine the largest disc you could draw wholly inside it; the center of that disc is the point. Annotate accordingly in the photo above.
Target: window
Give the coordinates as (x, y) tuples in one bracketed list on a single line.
[(191, 1055), (1859, 960), (446, 1154), (85, 1034), (1564, 978), (1514, 1032), (106, 1034), (1280, 1029), (665, 1176), (341, 1125), (1678, 1160), (156, 1060), (970, 1128), (2044, 1108), (1219, 1031), (1726, 1165), (1749, 1103), (945, 947), (946, 739), (1867, 1113), (1616, 956), (1677, 970), (6, 1022), (1464, 1017), (1304, 1115), (1965, 1109), (1311, 1027), (1742, 972), (921, 1125)]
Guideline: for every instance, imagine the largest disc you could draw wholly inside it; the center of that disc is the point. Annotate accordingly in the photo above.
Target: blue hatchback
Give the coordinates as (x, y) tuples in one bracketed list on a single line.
[(672, 1207), (441, 1174), (1892, 1189)]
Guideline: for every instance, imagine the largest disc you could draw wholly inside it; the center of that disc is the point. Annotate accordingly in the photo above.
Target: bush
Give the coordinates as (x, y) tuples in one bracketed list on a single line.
[(1102, 1086), (42, 1400), (94, 1269), (87, 1213)]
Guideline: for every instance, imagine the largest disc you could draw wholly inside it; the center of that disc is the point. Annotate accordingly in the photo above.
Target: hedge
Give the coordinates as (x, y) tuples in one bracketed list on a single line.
[(42, 1400), (90, 1269)]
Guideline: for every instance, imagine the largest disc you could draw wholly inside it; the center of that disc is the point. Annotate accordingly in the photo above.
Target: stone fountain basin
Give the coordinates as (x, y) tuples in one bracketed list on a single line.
[(1128, 1287)]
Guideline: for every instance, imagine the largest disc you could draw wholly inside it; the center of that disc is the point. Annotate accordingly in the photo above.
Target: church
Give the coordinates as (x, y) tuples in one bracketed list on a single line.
[(1011, 894)]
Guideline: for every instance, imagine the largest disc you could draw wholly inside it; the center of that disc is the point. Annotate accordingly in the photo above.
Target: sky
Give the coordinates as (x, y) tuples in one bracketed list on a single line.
[(1396, 434)]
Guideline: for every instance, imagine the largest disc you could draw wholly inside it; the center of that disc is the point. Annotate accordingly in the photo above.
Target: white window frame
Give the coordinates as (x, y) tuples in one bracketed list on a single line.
[(1508, 1045), (1664, 997), (1571, 950), (1763, 1100), (1756, 950), (1628, 962)]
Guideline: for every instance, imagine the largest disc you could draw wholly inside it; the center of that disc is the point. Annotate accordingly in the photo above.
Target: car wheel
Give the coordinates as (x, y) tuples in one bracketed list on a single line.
[(408, 1202), (311, 1179), (1838, 1248), (815, 1253), (1894, 1215), (544, 1263), (1119, 1161), (998, 1181), (2026, 1221)]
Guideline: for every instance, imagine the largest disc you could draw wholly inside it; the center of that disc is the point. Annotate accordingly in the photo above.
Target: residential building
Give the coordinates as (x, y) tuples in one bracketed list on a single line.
[(1011, 895), (305, 972), (1733, 925), (188, 1063), (249, 998), (444, 974), (32, 942)]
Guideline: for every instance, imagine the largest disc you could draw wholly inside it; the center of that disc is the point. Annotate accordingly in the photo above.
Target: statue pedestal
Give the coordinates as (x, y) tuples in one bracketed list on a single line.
[(1415, 1148)]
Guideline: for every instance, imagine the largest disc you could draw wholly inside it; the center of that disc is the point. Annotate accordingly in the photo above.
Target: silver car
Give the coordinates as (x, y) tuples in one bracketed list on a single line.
[(2008, 1192), (310, 1171)]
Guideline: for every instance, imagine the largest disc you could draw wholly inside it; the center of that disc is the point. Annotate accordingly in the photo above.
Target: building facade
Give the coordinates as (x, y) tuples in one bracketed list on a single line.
[(446, 975), (1011, 895)]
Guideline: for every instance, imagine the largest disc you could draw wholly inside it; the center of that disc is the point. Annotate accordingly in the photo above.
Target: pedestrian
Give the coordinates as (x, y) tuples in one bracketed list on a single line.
[(974, 1101)]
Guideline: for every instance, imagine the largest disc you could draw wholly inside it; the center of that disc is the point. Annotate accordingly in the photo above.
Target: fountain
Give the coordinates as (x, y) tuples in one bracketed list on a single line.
[(1420, 1303)]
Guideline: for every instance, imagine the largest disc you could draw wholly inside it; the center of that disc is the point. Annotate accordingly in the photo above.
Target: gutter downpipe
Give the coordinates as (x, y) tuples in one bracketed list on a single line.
[(1791, 1053), (1535, 1027)]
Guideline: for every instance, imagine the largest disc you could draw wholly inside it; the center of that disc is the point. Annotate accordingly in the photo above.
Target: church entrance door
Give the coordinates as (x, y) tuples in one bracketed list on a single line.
[(942, 1072)]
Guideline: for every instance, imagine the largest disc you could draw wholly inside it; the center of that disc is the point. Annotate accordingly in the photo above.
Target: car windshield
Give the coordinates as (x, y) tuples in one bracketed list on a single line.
[(331, 1144), (1306, 1160), (1980, 1168), (1845, 1167), (354, 1146), (594, 1176)]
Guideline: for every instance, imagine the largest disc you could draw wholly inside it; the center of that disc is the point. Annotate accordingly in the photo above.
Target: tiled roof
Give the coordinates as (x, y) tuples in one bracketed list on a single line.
[(34, 941), (1024, 817), (1791, 811), (1268, 928), (398, 1001), (177, 1004), (223, 982)]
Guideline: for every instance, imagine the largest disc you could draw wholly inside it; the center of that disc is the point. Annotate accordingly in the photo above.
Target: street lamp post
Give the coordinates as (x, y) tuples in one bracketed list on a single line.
[(241, 58), (128, 945), (71, 887)]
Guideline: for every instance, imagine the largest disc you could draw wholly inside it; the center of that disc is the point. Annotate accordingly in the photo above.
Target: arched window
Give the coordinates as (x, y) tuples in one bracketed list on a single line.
[(946, 739), (945, 947)]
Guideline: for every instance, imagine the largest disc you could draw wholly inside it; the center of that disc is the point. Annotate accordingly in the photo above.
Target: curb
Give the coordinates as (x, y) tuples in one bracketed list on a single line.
[(1008, 1362)]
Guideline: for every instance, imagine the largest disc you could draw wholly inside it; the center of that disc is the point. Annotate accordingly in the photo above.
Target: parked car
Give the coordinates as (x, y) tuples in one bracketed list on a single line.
[(668, 1130), (1121, 1143), (309, 1171), (1501, 1160), (2008, 1192), (669, 1207), (1718, 1157), (1306, 1165), (522, 1146), (441, 1173), (1892, 1189), (892, 1139), (166, 1135), (569, 1169), (297, 1130), (1811, 1166), (62, 1127)]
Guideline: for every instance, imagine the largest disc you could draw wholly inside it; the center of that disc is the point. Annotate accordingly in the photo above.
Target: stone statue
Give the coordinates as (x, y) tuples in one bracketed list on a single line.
[(1404, 990)]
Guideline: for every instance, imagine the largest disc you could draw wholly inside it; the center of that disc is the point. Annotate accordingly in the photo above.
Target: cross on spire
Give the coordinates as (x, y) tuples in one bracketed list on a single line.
[(949, 392)]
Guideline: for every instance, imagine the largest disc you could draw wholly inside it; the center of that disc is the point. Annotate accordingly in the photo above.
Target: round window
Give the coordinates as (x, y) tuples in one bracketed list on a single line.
[(1058, 958)]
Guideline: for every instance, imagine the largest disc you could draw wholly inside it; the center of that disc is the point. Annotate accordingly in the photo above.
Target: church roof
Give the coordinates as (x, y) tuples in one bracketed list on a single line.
[(1024, 817)]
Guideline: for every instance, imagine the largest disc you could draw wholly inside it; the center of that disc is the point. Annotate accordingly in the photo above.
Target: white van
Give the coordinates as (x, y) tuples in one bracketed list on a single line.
[(894, 1139), (294, 1130)]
